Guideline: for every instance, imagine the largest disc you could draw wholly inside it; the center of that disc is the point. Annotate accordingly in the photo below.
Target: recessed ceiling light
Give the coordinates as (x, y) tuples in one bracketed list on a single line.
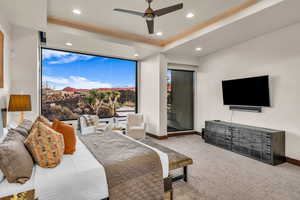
[(76, 11), (198, 49), (159, 33), (190, 15), (136, 55), (69, 44)]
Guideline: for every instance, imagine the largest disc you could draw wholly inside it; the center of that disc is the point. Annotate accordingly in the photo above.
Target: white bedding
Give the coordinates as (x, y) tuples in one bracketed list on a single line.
[(77, 177), (7, 189)]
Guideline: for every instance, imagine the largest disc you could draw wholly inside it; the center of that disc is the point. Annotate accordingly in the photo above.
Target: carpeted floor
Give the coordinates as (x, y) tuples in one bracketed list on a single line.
[(218, 174)]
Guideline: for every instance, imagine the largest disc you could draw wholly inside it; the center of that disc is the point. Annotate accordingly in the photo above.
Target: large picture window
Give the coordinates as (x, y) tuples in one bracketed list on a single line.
[(75, 84)]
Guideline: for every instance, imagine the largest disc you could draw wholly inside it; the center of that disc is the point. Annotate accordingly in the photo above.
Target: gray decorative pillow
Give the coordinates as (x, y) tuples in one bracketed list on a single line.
[(14, 135), (24, 128), (22, 131), (26, 124), (15, 161)]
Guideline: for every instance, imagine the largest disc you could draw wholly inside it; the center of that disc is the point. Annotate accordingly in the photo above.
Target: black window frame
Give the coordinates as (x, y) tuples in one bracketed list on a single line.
[(88, 54)]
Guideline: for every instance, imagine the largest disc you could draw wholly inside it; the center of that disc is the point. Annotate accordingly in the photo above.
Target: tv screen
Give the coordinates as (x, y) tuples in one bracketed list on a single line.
[(247, 92)]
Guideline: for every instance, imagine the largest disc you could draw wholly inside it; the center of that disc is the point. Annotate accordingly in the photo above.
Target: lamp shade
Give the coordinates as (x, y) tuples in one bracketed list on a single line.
[(18, 103)]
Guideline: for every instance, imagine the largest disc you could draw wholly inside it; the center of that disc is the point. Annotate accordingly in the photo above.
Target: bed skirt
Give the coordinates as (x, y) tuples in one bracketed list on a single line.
[(29, 195)]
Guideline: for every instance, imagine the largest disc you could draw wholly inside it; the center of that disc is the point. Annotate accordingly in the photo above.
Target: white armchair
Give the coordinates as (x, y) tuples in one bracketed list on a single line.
[(136, 127), (97, 127)]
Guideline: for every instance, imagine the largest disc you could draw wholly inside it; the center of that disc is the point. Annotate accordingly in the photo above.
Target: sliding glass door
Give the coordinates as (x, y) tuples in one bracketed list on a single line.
[(180, 100)]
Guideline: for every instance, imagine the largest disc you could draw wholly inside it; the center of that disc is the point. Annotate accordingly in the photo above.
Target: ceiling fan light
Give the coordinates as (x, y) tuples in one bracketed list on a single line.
[(76, 11), (159, 33), (190, 15)]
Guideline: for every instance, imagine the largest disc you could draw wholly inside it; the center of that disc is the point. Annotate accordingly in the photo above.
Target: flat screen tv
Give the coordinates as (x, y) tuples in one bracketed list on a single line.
[(247, 92)]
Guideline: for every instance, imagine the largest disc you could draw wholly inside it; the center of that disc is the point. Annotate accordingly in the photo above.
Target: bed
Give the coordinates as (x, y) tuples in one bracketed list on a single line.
[(86, 175)]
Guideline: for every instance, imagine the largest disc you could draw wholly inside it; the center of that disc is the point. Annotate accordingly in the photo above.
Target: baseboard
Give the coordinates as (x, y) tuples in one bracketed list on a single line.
[(293, 161), (163, 137), (182, 133)]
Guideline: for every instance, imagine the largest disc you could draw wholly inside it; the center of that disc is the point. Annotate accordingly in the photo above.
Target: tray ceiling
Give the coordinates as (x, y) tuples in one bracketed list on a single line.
[(98, 16)]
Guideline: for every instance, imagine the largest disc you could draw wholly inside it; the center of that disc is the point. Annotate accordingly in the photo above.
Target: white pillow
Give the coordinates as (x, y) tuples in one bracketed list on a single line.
[(1, 176), (12, 125), (5, 131)]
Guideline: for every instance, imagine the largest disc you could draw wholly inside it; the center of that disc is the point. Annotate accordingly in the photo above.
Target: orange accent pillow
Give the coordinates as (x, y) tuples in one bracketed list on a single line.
[(69, 135)]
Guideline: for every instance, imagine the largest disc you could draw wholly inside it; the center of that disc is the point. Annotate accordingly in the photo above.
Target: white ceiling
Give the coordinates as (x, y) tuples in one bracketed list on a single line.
[(29, 13), (100, 13), (92, 44), (264, 17)]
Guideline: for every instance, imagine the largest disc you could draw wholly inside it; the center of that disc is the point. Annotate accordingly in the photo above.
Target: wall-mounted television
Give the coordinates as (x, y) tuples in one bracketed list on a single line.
[(252, 91)]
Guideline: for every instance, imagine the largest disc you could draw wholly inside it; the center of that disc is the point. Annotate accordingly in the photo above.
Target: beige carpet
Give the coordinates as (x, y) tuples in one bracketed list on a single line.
[(218, 174)]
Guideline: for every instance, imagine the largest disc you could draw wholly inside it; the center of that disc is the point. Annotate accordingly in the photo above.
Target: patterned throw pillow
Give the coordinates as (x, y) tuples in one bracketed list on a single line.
[(46, 145), (44, 120)]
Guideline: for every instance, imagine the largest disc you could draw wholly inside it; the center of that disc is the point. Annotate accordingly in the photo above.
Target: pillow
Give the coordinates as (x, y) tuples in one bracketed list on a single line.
[(24, 128), (21, 131), (26, 124), (46, 145), (69, 135), (12, 125), (15, 161), (1, 176), (44, 120), (14, 135)]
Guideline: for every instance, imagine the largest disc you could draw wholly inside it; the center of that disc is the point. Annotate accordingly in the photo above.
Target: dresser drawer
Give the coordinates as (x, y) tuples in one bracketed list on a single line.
[(262, 144)]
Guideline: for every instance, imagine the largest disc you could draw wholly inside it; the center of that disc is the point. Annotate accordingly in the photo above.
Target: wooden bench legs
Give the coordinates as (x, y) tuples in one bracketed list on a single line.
[(183, 176), (185, 173)]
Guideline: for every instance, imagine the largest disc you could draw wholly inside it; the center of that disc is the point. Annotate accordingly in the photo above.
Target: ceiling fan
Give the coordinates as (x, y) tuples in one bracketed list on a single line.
[(150, 14)]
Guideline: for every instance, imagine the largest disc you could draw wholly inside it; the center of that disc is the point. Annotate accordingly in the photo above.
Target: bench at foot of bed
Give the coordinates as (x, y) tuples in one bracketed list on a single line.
[(176, 160)]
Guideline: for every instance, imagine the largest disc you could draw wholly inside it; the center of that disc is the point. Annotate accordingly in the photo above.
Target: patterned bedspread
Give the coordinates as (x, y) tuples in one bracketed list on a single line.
[(133, 171)]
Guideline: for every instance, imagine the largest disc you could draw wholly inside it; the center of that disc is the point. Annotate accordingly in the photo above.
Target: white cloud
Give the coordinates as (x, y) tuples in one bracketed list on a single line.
[(55, 80), (74, 82), (48, 53), (61, 57)]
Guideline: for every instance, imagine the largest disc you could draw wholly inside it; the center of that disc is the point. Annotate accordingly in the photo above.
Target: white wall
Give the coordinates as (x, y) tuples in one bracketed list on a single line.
[(276, 54), (5, 29), (182, 60), (152, 94), (25, 68)]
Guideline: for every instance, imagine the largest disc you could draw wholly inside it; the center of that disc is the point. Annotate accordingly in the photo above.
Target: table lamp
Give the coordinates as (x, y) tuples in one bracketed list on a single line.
[(19, 103)]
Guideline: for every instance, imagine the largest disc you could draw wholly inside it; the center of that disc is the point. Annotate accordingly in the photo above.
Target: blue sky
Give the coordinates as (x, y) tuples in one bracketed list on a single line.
[(64, 69)]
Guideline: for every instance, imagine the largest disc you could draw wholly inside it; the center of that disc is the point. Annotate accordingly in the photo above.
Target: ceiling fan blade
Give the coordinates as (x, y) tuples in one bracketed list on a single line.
[(150, 24), (130, 12), (167, 10)]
